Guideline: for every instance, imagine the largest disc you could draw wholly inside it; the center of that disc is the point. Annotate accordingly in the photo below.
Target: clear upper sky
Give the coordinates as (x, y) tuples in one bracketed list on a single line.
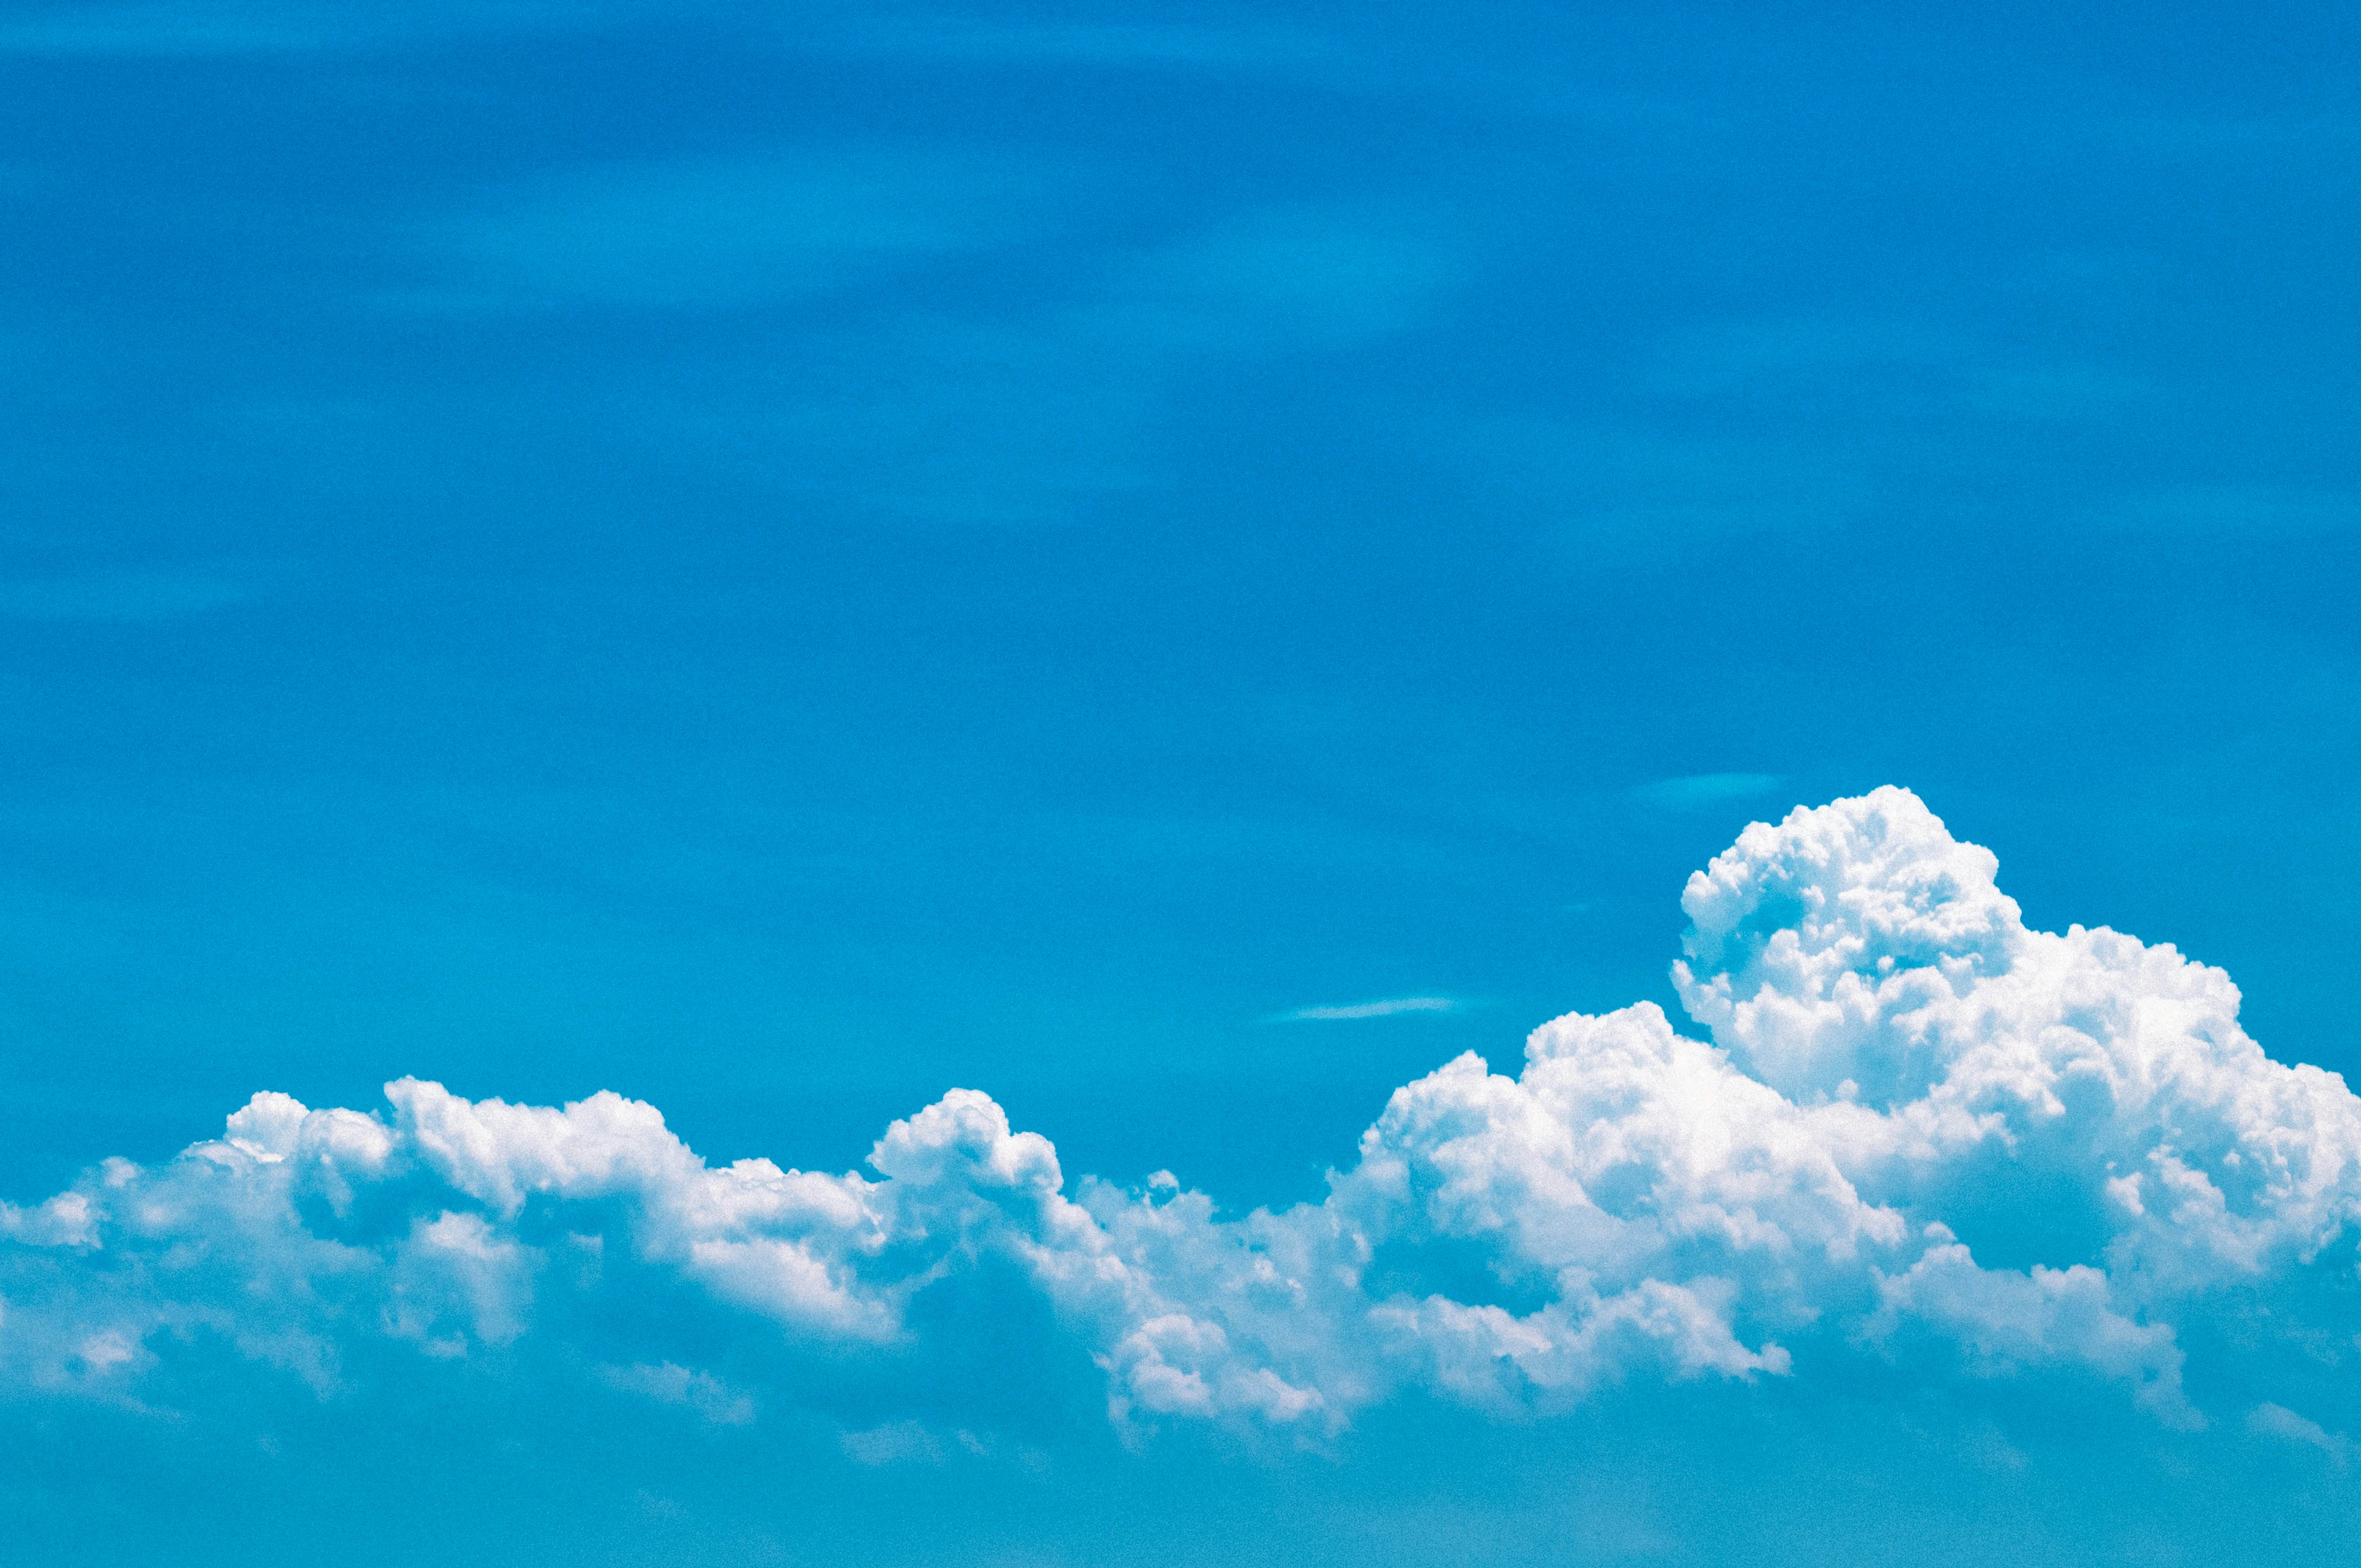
[(779, 560)]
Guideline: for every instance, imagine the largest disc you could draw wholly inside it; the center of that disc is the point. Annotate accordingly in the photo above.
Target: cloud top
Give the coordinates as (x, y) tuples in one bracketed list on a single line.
[(1920, 1139)]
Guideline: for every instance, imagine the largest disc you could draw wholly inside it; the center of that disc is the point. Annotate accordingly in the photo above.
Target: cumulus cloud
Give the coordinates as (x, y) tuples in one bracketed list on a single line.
[(1917, 1137)]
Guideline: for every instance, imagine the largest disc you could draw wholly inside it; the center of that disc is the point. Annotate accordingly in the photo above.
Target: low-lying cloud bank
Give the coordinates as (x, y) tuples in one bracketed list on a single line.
[(1920, 1129)]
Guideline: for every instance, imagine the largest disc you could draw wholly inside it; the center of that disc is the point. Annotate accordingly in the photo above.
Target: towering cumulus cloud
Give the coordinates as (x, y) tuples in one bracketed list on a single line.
[(1918, 1130)]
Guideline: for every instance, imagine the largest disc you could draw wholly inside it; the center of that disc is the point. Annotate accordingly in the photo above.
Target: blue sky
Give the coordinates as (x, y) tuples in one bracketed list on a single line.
[(777, 562)]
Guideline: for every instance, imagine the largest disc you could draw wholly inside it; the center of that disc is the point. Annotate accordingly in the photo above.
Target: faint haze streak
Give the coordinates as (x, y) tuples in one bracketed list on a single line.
[(1350, 1011), (1704, 789)]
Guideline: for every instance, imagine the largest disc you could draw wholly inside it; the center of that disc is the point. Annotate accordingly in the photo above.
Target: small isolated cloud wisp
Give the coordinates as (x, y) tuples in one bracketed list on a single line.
[(1707, 789), (1345, 1013), (2277, 1420)]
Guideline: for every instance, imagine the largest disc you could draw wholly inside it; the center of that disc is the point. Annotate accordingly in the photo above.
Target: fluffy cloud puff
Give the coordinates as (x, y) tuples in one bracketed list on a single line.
[(1899, 1076)]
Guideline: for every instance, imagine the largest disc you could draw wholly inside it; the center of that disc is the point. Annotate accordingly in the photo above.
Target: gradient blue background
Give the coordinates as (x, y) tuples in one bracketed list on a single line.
[(778, 560)]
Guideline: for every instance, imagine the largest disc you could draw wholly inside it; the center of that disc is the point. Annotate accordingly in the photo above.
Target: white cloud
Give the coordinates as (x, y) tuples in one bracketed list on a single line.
[(1347, 1011), (1903, 1087), (895, 1442), (670, 1384), (2277, 1420)]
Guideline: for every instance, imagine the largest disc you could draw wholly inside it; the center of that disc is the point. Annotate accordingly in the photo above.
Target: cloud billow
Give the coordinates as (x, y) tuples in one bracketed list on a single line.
[(1922, 1140)]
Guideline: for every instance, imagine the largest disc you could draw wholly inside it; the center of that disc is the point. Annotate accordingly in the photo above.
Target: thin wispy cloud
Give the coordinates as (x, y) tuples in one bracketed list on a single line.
[(1617, 496), (725, 234), (1255, 47), (124, 597), (1347, 1013), (2277, 1420), (1325, 276), (1707, 789), (1036, 419), (178, 29), (2233, 510)]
